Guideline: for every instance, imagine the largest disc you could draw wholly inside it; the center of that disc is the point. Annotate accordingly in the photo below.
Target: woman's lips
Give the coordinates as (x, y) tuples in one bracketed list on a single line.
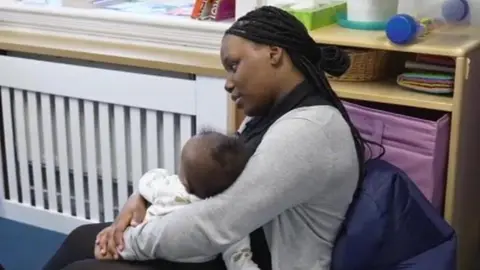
[(238, 101), (236, 98)]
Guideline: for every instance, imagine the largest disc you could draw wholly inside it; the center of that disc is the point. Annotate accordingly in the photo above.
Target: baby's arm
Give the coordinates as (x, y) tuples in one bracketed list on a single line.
[(239, 256)]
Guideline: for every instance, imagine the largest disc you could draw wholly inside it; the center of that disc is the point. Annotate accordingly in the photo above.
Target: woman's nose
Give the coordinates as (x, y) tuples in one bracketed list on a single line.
[(229, 86)]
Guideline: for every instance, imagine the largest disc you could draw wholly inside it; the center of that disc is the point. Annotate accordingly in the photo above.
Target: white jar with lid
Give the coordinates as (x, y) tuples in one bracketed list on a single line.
[(371, 10)]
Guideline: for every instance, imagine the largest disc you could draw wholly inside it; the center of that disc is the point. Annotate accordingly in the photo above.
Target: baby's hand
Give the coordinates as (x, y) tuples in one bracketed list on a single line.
[(134, 223), (99, 255)]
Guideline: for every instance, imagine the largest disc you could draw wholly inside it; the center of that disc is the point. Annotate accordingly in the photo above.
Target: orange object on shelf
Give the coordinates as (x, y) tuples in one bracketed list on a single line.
[(201, 9)]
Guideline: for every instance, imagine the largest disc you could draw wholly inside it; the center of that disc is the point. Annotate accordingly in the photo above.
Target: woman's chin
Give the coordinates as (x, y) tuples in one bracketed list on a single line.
[(251, 112), (239, 106)]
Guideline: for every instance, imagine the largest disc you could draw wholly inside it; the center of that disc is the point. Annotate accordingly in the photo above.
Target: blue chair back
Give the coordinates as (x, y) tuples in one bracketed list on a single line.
[(391, 225)]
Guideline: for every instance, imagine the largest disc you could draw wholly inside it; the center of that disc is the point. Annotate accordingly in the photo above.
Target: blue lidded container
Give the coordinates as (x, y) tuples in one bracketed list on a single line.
[(454, 11), (403, 29)]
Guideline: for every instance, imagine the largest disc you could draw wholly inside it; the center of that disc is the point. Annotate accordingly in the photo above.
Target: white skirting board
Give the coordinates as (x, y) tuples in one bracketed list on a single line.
[(45, 219)]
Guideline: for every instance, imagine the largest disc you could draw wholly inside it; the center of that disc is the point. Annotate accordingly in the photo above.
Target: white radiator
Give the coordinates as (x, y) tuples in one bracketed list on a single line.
[(76, 142)]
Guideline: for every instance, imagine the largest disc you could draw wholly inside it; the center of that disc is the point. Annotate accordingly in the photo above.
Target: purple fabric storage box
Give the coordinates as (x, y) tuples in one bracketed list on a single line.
[(415, 145)]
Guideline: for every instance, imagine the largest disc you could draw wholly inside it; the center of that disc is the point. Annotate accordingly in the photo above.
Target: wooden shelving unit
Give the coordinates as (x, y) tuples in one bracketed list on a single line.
[(462, 202), (389, 92), (448, 41)]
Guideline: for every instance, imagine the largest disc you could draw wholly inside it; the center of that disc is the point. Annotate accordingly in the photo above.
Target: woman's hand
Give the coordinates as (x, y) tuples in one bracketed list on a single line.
[(110, 239), (99, 255)]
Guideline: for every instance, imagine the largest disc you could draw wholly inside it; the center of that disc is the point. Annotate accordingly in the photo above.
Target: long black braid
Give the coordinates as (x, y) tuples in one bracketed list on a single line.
[(272, 26)]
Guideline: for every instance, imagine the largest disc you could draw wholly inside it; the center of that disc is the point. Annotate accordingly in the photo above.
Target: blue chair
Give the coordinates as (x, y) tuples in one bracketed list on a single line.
[(391, 225)]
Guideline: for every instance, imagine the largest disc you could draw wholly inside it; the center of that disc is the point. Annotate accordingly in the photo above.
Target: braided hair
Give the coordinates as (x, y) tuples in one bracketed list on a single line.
[(272, 26)]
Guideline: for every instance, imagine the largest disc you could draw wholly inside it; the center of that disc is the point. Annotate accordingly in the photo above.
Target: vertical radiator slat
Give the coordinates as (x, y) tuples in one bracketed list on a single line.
[(62, 154), (35, 148), (76, 156), (91, 153), (9, 144), (152, 139), (176, 138), (3, 180), (168, 147), (106, 160), (136, 146), (121, 154), (185, 129), (21, 143), (48, 151), (161, 159)]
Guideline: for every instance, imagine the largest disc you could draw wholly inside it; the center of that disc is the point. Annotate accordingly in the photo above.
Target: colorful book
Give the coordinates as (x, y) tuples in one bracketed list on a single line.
[(428, 67), (201, 9), (436, 60), (222, 10), (215, 10), (427, 82)]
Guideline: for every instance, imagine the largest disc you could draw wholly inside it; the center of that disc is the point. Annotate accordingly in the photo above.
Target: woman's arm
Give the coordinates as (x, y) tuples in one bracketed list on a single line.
[(297, 158)]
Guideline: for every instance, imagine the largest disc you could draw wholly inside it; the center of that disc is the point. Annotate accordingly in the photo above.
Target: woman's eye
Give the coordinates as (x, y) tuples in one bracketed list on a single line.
[(233, 67)]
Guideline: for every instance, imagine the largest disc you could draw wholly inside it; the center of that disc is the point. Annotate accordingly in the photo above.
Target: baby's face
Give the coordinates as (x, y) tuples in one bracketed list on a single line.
[(183, 178)]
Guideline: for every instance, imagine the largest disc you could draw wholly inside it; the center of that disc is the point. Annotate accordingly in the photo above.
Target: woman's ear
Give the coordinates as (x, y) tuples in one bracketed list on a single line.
[(276, 54)]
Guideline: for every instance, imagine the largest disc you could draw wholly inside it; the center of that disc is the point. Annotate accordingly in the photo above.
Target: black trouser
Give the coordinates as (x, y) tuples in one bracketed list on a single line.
[(76, 253)]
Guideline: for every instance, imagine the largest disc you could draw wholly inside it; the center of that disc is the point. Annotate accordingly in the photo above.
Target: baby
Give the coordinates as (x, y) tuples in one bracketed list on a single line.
[(210, 163)]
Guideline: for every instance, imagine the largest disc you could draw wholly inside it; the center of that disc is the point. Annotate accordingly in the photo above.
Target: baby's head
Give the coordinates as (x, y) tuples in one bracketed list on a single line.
[(211, 162)]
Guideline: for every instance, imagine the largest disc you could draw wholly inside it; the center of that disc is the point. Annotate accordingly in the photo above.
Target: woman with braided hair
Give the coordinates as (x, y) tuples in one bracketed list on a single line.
[(294, 192)]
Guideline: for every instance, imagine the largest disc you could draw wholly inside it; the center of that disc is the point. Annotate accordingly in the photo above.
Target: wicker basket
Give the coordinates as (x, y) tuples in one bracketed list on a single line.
[(365, 65)]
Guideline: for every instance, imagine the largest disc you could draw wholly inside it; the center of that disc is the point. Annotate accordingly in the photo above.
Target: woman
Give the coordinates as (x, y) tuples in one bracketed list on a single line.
[(297, 186)]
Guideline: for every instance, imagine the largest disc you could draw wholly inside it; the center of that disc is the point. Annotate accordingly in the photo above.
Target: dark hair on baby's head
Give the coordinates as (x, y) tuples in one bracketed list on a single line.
[(227, 156)]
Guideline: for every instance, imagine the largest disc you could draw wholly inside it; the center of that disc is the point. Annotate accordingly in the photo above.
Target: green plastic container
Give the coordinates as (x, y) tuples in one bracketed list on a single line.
[(319, 17)]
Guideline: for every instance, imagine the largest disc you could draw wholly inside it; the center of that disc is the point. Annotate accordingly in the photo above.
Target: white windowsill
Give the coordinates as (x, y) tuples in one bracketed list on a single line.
[(168, 31)]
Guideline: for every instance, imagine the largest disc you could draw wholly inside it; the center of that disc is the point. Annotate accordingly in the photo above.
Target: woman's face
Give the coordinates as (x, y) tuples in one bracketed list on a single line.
[(251, 74)]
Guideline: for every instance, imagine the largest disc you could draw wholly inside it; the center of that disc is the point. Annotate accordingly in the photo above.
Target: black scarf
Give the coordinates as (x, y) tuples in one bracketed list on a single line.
[(303, 95)]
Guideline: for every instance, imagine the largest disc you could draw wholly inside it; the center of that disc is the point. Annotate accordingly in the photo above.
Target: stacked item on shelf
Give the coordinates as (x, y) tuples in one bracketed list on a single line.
[(313, 13), (367, 15), (213, 10), (429, 74)]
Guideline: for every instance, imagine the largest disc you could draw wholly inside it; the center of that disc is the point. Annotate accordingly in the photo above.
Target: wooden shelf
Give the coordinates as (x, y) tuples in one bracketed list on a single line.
[(447, 41), (390, 93), (141, 55), (112, 51)]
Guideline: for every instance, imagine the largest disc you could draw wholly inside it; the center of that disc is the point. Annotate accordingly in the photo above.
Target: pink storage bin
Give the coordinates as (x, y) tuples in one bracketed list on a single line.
[(419, 146)]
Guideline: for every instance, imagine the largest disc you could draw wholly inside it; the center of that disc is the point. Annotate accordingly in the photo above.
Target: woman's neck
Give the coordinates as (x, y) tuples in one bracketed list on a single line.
[(288, 84)]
